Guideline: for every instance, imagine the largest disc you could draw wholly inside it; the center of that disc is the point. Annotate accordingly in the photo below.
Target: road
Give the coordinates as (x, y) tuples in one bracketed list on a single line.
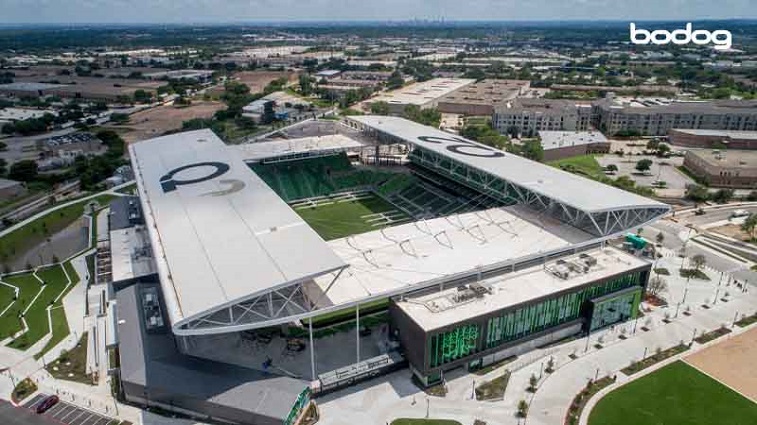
[(676, 235)]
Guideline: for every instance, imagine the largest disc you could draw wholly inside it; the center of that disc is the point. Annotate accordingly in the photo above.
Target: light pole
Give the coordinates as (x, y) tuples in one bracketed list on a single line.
[(735, 317), (693, 335)]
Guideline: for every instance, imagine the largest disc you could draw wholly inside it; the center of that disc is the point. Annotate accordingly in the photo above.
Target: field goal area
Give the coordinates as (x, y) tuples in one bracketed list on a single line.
[(348, 213)]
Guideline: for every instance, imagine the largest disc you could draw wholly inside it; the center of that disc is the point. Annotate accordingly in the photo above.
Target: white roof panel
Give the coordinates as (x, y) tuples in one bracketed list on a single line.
[(221, 238), (581, 193)]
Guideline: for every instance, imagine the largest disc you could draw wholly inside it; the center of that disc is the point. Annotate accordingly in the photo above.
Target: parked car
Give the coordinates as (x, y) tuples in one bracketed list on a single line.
[(47, 403)]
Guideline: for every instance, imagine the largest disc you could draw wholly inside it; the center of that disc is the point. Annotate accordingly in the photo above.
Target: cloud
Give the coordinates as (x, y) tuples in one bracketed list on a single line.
[(191, 11)]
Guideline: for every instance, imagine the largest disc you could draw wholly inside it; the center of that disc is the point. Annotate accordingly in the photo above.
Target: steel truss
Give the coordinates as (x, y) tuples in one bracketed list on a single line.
[(598, 223)]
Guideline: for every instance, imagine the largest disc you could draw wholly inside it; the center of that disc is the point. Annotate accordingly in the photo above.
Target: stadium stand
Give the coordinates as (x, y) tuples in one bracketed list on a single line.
[(422, 194)]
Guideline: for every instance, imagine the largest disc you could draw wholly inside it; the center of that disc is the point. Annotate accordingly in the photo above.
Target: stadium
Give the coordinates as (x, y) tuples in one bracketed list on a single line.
[(333, 251)]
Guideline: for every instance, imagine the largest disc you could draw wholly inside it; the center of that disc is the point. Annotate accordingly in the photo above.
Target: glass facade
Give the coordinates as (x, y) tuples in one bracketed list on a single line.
[(454, 344), (615, 309), (518, 323)]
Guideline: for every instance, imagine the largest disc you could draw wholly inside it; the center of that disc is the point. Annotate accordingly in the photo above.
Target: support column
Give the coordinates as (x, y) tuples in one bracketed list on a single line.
[(357, 331), (312, 348)]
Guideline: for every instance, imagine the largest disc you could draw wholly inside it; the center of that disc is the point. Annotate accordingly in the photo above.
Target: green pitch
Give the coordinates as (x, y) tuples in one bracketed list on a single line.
[(677, 394), (340, 219)]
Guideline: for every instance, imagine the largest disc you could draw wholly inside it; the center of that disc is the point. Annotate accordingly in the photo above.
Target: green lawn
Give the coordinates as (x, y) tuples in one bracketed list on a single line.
[(72, 365), (22, 240), (407, 421), (582, 164), (338, 220), (28, 288), (36, 317), (677, 394)]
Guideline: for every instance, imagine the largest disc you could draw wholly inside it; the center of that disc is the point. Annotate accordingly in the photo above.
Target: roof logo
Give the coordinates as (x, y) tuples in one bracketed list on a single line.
[(168, 183)]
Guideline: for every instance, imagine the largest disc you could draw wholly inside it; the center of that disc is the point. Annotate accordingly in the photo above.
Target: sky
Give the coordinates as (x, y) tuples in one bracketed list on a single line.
[(221, 11)]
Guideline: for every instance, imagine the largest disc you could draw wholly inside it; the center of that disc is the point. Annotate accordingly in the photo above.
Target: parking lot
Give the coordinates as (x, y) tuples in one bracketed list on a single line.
[(662, 169), (69, 414)]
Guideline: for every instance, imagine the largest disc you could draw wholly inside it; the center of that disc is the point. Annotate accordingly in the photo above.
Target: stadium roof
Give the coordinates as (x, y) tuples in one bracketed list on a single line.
[(414, 255), (220, 235), (296, 148), (578, 192)]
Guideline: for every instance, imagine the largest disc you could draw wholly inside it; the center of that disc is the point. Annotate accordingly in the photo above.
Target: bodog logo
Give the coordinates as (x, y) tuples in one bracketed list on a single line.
[(463, 147), (169, 183)]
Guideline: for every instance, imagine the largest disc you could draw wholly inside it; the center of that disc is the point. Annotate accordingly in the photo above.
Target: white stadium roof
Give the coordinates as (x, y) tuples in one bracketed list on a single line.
[(259, 151), (581, 193), (414, 255), (220, 234)]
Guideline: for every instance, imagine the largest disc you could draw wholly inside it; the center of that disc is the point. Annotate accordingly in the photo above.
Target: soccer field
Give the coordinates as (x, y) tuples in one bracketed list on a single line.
[(337, 218), (677, 394)]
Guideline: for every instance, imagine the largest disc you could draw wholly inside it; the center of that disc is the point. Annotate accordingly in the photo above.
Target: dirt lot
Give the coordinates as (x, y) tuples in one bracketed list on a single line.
[(257, 80), (731, 362), (156, 121), (731, 230)]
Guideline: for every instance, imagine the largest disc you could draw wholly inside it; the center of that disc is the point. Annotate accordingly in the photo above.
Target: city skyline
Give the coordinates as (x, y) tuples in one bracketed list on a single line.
[(240, 11)]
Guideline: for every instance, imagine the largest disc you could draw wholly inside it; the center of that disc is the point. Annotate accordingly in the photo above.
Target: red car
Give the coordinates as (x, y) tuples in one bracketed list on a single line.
[(47, 403)]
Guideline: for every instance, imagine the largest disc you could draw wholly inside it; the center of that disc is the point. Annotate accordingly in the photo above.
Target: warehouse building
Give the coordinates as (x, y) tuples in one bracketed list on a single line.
[(480, 98), (732, 169), (424, 95), (717, 139), (564, 144)]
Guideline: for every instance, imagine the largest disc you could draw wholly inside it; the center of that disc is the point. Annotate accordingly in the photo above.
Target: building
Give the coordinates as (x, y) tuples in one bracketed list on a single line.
[(283, 105), (28, 89), (734, 169), (483, 322), (481, 97), (10, 189), (564, 144), (234, 262), (424, 95), (530, 116), (653, 117), (199, 76), (714, 139)]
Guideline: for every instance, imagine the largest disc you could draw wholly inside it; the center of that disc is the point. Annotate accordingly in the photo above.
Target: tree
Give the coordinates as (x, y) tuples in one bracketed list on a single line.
[(698, 261), (119, 118), (380, 108), (3, 166), (532, 149), (656, 285), (750, 225), (644, 165), (612, 168), (663, 149), (660, 237), (696, 193), (395, 81), (532, 381), (653, 144), (306, 84), (25, 170), (722, 196), (522, 409)]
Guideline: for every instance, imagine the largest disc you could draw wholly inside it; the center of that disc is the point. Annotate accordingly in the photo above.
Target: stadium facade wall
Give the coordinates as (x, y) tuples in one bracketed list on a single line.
[(476, 341)]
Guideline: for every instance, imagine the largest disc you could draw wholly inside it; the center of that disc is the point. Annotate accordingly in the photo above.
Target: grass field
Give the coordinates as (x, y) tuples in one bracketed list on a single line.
[(674, 395), (36, 317), (582, 164), (337, 220), (25, 238)]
